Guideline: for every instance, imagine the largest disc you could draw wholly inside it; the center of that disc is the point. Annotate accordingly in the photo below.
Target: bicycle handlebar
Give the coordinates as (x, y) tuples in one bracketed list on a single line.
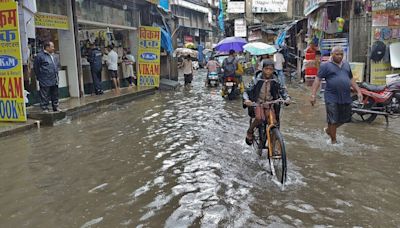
[(280, 100)]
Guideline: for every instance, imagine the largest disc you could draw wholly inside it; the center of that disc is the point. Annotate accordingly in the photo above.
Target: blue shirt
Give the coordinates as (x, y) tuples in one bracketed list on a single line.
[(338, 82)]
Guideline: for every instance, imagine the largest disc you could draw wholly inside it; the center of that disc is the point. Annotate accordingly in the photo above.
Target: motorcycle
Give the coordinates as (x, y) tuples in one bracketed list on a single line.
[(377, 100), (231, 88), (212, 79)]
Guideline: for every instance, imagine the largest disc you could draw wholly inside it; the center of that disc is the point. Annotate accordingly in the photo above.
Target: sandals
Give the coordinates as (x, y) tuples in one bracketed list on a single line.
[(249, 138)]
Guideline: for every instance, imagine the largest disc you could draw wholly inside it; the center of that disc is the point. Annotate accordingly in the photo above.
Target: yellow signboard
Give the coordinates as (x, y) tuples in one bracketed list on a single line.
[(154, 1), (149, 56), (379, 72), (51, 21), (12, 105)]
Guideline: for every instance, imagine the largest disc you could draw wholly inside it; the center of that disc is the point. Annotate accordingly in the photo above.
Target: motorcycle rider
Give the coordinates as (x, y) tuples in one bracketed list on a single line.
[(230, 66), (265, 87), (212, 67)]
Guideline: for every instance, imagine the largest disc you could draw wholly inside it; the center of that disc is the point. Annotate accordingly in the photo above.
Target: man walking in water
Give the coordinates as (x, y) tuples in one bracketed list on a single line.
[(339, 79)]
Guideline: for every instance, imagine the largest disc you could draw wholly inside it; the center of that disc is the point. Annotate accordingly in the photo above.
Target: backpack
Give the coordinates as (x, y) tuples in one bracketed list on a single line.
[(230, 68)]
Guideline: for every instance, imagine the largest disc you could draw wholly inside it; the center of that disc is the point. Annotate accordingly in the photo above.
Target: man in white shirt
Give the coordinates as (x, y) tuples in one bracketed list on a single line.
[(112, 62), (279, 61)]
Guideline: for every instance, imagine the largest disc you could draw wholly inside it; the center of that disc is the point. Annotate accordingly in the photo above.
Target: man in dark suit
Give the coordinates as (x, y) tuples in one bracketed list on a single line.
[(46, 70)]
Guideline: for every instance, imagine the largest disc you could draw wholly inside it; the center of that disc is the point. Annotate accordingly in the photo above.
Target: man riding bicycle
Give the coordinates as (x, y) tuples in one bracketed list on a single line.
[(264, 88)]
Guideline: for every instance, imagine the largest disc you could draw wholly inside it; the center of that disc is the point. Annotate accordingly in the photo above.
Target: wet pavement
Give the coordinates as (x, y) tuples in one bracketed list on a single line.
[(178, 159)]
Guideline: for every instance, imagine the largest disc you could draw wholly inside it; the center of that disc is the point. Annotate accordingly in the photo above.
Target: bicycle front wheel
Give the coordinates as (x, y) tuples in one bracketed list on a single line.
[(277, 161)]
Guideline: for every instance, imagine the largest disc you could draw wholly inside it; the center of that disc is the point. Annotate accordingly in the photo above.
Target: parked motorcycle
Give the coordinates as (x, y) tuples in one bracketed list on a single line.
[(377, 100), (212, 79)]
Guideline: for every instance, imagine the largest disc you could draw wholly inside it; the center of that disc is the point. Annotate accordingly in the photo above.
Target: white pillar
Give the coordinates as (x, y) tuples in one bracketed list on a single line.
[(68, 53)]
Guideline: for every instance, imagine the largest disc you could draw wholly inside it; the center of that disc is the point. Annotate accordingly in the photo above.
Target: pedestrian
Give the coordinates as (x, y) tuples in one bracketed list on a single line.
[(46, 67), (129, 62), (112, 62), (339, 79), (188, 70), (279, 61), (260, 62), (95, 60)]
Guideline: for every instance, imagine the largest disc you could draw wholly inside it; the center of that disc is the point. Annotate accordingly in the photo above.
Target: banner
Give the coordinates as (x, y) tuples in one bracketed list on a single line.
[(149, 56), (240, 28), (236, 7), (12, 104), (270, 6), (51, 21)]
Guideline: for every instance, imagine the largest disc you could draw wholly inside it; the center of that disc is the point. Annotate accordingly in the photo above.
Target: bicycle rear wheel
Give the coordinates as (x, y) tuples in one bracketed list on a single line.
[(278, 162)]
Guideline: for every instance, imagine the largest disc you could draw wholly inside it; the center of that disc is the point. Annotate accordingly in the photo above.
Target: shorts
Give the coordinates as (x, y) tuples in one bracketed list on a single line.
[(338, 113), (188, 78), (113, 73)]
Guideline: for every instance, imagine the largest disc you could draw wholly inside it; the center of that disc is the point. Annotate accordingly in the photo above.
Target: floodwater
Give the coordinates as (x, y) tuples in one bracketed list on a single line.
[(178, 159)]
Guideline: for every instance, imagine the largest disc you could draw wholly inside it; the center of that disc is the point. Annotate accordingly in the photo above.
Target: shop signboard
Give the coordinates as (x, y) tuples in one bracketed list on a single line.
[(268, 6), (188, 39), (236, 7), (154, 1), (12, 104), (51, 21), (149, 56), (240, 27)]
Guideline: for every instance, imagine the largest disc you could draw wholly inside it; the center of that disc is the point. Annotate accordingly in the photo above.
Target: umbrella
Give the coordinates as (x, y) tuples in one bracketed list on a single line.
[(231, 43), (184, 52), (190, 45), (259, 48)]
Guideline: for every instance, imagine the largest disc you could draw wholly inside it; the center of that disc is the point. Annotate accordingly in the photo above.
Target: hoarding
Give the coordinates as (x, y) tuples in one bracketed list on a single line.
[(149, 56), (12, 105)]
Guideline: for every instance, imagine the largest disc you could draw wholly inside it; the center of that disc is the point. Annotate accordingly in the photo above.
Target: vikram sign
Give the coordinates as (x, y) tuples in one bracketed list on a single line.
[(270, 6)]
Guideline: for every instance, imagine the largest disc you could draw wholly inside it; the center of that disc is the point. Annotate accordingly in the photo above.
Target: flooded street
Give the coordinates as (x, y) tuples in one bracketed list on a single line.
[(179, 159)]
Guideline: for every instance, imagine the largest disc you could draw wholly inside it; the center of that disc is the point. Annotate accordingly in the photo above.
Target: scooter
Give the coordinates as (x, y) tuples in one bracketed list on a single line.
[(212, 79)]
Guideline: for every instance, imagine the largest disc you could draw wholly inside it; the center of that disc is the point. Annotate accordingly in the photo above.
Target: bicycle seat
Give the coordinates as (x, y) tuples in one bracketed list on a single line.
[(372, 88)]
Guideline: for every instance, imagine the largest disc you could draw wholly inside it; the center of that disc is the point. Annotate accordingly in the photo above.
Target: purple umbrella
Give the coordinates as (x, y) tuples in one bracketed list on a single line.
[(231, 43)]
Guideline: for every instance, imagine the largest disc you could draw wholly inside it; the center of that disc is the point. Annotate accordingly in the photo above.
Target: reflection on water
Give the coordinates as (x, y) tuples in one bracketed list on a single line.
[(178, 159)]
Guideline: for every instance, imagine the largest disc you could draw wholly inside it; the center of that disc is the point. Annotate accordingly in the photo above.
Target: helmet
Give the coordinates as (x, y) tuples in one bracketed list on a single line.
[(268, 62)]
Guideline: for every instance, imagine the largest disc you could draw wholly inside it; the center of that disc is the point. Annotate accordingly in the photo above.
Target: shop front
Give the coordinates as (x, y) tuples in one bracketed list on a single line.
[(53, 22), (385, 32), (328, 26), (104, 25)]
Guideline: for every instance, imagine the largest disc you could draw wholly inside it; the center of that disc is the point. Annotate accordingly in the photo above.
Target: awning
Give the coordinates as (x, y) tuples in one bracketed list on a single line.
[(105, 25), (312, 5)]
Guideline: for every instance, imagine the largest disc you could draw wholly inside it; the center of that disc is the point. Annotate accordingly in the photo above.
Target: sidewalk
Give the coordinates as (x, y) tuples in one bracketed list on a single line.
[(73, 107)]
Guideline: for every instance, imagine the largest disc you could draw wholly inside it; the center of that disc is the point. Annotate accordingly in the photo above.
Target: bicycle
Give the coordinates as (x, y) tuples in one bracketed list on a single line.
[(269, 132)]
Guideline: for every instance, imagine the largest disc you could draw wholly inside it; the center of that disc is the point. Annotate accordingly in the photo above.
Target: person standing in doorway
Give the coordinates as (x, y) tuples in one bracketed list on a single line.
[(279, 61), (112, 62), (95, 60), (188, 70), (46, 68), (339, 80), (130, 63)]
